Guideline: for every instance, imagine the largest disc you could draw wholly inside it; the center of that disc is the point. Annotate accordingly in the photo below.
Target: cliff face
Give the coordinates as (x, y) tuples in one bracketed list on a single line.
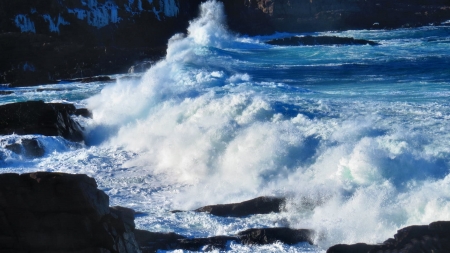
[(267, 16), (44, 41)]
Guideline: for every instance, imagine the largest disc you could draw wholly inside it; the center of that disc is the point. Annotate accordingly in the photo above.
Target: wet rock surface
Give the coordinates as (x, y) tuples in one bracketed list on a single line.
[(432, 238), (30, 148), (260, 205), (58, 212), (37, 117), (319, 40)]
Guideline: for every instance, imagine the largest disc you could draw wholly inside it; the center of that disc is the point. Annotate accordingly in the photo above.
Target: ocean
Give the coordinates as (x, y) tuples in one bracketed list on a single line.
[(356, 137)]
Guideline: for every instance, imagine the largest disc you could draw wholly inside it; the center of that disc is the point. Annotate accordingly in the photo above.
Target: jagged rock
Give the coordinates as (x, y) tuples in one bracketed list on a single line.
[(353, 248), (83, 112), (31, 148), (37, 117), (319, 40), (58, 212), (432, 238), (150, 242), (272, 235), (260, 205), (206, 244)]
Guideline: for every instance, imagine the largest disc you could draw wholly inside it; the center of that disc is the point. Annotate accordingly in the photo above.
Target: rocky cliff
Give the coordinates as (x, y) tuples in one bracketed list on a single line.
[(45, 41)]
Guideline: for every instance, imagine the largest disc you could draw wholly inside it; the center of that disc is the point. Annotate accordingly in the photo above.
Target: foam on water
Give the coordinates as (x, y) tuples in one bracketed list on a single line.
[(355, 137)]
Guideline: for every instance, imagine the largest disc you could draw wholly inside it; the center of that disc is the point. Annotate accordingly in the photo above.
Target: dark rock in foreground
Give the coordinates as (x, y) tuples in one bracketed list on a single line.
[(58, 212), (432, 238), (272, 235), (353, 248), (30, 148), (151, 242), (260, 205), (319, 40), (37, 117)]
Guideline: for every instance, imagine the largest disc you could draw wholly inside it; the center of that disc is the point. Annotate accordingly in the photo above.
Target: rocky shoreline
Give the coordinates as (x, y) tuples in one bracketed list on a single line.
[(43, 43), (59, 212)]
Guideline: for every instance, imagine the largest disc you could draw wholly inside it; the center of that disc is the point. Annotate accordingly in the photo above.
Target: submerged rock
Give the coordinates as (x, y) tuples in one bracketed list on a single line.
[(37, 117), (260, 205), (30, 148), (319, 40), (58, 212)]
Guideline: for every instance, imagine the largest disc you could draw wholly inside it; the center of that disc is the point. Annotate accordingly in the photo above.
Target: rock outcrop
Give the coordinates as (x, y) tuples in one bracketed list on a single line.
[(319, 40), (432, 238), (46, 41), (260, 205), (30, 148), (267, 16), (58, 212), (151, 242), (37, 117)]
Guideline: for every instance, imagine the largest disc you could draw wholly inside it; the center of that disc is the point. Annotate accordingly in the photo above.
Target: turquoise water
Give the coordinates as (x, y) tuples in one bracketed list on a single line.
[(355, 136)]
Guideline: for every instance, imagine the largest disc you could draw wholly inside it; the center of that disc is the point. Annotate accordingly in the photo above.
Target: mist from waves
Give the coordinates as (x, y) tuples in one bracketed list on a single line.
[(350, 171)]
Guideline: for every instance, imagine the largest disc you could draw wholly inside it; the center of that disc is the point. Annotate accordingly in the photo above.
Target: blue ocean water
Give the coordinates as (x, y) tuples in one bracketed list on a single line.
[(356, 137)]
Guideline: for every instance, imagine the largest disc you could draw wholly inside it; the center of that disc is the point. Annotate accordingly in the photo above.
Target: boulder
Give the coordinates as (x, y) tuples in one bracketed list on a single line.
[(150, 242), (58, 212), (30, 148), (260, 205), (432, 238), (272, 235), (37, 117), (319, 40), (353, 248)]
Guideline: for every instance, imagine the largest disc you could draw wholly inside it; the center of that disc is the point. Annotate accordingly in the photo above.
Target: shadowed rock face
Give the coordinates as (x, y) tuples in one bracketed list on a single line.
[(267, 16), (37, 117), (57, 212), (260, 205), (432, 238)]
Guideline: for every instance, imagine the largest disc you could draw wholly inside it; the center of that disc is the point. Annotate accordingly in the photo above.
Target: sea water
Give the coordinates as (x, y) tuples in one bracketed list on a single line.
[(355, 137)]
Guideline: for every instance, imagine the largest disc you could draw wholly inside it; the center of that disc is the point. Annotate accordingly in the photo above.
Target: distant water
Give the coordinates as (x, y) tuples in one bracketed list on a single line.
[(357, 137)]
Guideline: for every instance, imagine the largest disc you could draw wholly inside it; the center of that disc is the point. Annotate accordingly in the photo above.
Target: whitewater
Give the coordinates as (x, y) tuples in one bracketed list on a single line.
[(356, 137)]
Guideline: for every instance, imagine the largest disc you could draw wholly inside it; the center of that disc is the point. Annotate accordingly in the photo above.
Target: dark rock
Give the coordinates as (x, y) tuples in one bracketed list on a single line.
[(31, 148), (96, 79), (58, 212), (37, 117), (6, 92), (206, 244), (83, 112), (125, 214), (152, 241), (266, 17), (260, 205), (432, 238), (354, 248), (319, 40), (272, 235)]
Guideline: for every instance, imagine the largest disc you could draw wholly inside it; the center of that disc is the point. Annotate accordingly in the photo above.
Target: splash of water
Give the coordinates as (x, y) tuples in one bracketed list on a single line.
[(199, 122)]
